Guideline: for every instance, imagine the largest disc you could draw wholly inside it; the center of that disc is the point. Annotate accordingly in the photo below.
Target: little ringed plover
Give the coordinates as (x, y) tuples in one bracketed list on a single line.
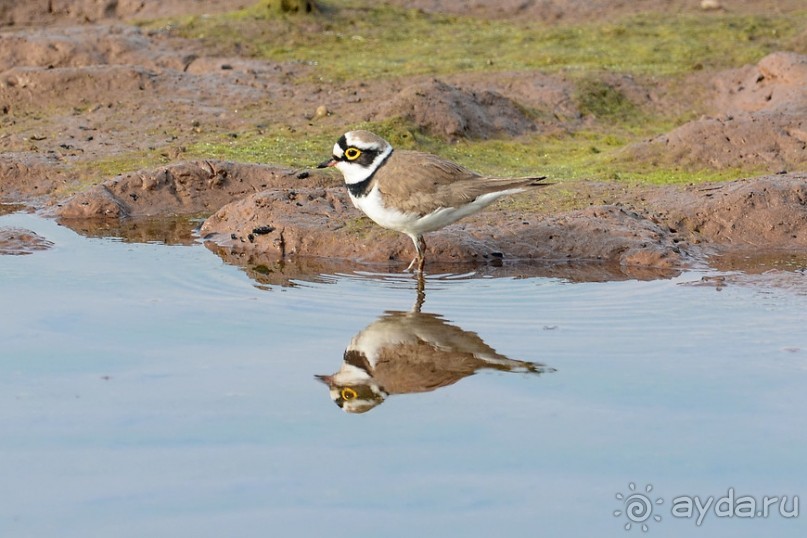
[(413, 192)]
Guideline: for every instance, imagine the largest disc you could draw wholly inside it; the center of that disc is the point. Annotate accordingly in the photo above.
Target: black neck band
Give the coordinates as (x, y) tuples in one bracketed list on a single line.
[(357, 359)]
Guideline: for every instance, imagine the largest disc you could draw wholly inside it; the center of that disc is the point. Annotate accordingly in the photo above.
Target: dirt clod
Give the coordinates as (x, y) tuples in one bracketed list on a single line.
[(451, 113)]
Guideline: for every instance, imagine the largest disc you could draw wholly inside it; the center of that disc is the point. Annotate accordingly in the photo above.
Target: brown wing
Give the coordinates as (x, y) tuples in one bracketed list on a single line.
[(425, 182), (419, 367)]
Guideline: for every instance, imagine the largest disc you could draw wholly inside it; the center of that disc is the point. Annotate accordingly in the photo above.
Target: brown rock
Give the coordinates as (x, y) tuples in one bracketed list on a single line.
[(18, 241)]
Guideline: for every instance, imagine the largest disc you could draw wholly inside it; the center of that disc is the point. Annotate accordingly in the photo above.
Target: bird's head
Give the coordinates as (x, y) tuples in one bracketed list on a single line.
[(353, 396), (358, 154)]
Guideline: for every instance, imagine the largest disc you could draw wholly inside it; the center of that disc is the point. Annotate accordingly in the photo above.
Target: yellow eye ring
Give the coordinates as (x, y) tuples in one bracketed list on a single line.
[(352, 154), (348, 393)]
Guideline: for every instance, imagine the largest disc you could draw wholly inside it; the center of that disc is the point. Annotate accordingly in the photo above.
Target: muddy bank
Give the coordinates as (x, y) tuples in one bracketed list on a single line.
[(19, 241), (185, 188), (84, 86), (280, 215), (666, 227), (758, 119), (768, 212), (112, 90), (322, 222), (36, 12), (73, 96)]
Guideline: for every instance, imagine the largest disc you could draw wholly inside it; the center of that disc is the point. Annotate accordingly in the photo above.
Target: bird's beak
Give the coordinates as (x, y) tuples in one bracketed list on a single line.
[(327, 379), (327, 164)]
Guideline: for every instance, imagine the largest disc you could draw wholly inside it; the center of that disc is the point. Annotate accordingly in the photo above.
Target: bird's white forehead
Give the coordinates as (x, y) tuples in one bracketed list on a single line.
[(365, 140)]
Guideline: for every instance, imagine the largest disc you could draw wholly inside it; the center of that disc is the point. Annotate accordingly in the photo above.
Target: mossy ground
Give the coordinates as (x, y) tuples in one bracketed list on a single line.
[(358, 40)]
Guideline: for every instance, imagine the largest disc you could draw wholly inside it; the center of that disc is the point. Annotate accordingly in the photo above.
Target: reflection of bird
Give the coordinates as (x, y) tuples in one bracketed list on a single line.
[(414, 192), (406, 352)]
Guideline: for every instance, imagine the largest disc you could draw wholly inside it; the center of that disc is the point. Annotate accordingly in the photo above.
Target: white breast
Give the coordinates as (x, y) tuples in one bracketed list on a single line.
[(373, 206)]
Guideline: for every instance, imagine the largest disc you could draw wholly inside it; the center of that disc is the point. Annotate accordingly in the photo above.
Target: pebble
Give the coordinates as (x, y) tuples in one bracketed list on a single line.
[(711, 4), (321, 112)]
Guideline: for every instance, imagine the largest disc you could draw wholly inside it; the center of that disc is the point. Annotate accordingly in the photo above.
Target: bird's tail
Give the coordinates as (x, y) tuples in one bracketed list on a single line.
[(515, 182), (536, 181)]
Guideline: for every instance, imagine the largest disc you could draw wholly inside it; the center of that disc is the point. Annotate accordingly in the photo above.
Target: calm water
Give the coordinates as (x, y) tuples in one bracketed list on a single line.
[(152, 390)]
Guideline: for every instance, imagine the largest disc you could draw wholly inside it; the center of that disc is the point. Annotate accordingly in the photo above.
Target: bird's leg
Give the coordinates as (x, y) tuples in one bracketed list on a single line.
[(420, 258), (421, 248)]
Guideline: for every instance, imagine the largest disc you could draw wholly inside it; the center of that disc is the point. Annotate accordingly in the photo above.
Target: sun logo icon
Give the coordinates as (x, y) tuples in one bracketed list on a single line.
[(638, 507)]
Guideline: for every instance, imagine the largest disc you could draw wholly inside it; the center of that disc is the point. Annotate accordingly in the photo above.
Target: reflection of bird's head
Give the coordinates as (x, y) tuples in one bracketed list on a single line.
[(353, 389)]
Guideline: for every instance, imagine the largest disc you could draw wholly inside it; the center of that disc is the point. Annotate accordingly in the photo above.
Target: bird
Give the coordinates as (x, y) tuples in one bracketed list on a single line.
[(411, 352), (414, 192)]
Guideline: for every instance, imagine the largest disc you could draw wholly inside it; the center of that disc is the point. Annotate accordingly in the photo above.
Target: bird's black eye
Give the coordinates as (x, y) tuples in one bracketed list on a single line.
[(352, 153), (348, 393)]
